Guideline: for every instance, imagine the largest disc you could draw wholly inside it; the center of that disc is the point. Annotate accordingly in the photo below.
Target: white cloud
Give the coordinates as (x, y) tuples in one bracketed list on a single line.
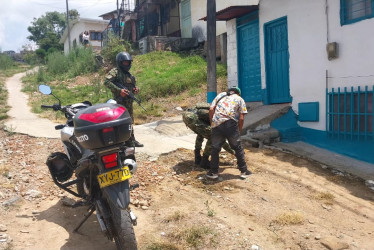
[(17, 15)]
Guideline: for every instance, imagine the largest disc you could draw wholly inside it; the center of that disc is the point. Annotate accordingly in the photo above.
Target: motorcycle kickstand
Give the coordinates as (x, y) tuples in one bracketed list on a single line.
[(90, 212)]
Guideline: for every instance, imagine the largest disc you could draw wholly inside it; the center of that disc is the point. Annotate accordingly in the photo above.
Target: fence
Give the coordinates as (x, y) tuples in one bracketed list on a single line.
[(350, 114)]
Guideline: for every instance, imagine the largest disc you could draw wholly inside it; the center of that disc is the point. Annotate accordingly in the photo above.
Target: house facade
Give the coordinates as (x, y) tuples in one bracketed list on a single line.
[(94, 27), (316, 55), (166, 24)]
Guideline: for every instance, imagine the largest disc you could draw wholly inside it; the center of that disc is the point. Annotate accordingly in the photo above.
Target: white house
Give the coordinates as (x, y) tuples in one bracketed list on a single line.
[(78, 26), (316, 55)]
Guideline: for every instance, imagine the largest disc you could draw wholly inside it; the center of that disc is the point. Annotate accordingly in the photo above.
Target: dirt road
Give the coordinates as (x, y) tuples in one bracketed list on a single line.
[(288, 203)]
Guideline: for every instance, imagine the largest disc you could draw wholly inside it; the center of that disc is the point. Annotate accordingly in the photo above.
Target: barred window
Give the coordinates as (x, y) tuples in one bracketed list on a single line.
[(352, 11), (94, 35)]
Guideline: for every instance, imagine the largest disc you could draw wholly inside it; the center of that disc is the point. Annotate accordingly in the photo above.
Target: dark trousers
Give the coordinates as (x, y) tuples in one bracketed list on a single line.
[(228, 130)]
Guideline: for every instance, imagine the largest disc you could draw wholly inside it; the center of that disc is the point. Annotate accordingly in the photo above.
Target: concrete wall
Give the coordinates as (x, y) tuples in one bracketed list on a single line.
[(232, 54), (309, 30)]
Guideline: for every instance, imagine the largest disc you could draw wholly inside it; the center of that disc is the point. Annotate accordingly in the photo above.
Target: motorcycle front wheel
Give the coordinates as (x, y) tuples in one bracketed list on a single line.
[(123, 231)]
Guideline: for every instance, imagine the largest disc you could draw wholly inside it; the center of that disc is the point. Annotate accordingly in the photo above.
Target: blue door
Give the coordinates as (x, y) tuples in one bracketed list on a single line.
[(277, 61), (249, 66)]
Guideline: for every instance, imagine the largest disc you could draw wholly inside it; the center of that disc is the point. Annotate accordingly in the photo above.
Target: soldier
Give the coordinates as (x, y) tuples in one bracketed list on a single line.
[(123, 86), (197, 119)]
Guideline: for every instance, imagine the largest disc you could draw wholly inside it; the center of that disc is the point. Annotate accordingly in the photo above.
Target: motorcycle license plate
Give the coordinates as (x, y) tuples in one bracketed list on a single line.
[(114, 176)]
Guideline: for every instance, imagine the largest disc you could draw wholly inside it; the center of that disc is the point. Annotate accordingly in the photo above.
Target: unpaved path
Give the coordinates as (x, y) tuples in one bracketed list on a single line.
[(179, 209), (21, 119)]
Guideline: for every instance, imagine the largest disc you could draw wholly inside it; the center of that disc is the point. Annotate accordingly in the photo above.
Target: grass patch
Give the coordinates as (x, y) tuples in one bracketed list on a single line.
[(161, 246), (175, 217), (289, 218), (197, 236), (6, 62), (210, 211), (326, 197), (161, 73)]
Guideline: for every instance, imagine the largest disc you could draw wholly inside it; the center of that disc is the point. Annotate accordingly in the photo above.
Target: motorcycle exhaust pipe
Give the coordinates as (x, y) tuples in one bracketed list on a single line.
[(101, 222)]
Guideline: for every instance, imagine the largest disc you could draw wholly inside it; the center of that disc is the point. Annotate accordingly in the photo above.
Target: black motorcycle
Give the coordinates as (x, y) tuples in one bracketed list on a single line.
[(93, 138)]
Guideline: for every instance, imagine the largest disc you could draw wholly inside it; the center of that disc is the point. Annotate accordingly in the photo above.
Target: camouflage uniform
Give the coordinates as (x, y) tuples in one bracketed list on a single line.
[(197, 119), (128, 81)]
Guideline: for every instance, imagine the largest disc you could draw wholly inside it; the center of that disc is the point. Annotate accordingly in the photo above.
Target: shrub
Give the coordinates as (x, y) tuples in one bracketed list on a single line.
[(79, 61), (57, 63), (6, 62), (113, 47)]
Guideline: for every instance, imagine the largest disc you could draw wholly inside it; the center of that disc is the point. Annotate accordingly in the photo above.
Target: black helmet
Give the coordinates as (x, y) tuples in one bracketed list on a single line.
[(123, 56)]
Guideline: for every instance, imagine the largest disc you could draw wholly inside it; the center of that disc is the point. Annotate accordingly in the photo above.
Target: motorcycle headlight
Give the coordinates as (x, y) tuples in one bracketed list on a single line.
[(131, 164)]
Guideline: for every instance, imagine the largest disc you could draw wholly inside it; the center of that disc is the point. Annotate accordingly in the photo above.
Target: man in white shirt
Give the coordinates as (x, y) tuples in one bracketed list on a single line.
[(226, 115)]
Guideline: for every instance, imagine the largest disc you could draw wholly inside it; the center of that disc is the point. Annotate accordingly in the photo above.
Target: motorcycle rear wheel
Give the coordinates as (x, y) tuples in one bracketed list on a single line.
[(124, 235)]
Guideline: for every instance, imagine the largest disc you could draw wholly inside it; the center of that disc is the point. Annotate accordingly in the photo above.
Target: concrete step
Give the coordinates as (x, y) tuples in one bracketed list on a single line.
[(256, 127)]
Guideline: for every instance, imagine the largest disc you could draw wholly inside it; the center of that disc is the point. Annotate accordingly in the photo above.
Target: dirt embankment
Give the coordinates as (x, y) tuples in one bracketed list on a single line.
[(288, 203)]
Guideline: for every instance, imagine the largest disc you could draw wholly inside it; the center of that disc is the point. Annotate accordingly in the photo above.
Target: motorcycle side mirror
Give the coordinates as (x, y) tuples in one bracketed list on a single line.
[(45, 89)]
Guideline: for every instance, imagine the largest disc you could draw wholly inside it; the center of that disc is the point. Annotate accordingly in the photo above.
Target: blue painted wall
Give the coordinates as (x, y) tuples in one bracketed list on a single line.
[(291, 132)]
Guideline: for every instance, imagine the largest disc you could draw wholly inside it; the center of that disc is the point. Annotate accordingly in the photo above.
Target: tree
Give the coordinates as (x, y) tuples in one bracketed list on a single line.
[(47, 30), (73, 14)]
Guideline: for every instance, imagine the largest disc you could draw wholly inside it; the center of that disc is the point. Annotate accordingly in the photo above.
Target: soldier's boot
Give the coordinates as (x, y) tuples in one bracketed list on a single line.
[(138, 144), (129, 143), (205, 163), (197, 157)]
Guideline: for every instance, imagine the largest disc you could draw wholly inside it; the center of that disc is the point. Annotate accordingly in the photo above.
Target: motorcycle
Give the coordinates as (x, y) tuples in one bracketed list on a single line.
[(94, 138)]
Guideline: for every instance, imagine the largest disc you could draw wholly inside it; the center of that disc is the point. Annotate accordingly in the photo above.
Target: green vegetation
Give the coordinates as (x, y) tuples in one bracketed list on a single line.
[(6, 62), (196, 236), (78, 62), (47, 30), (114, 46), (160, 76), (210, 211)]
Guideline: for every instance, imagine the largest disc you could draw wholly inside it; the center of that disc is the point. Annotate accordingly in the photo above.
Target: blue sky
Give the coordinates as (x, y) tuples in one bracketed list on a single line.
[(17, 15)]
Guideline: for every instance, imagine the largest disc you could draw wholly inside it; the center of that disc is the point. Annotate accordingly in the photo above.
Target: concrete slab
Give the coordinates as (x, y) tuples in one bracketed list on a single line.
[(263, 115)]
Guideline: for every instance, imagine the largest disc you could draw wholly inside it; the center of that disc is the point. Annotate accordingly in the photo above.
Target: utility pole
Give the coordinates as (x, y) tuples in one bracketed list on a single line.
[(211, 51), (67, 23)]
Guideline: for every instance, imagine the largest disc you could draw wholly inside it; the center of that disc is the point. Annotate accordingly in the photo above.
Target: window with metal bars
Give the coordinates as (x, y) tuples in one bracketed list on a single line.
[(350, 114), (352, 11), (95, 36)]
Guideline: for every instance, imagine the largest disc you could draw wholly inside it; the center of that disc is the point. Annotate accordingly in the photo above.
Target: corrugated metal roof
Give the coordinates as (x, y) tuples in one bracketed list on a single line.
[(233, 12)]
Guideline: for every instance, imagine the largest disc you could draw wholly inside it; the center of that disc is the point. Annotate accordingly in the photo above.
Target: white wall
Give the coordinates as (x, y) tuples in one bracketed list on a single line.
[(307, 49), (232, 59), (308, 34), (80, 27)]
